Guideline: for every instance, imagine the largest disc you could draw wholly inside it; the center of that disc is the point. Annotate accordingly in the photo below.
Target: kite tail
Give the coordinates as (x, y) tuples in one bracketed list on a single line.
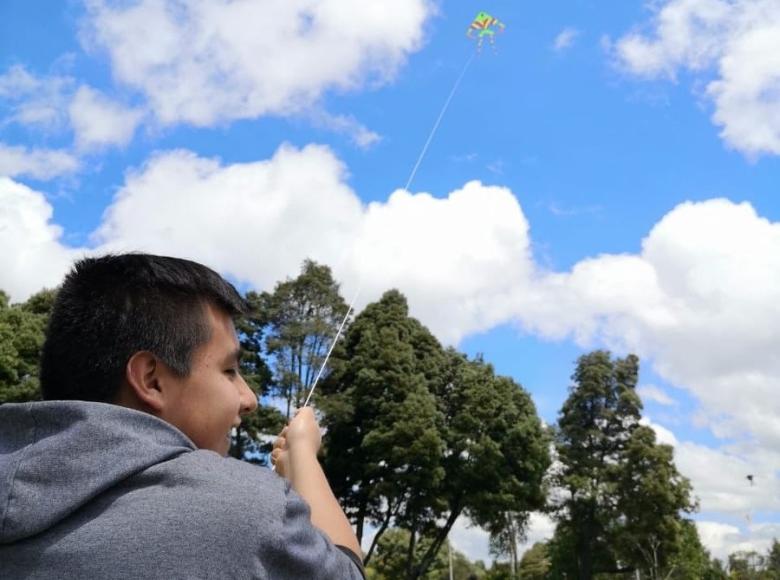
[(438, 120)]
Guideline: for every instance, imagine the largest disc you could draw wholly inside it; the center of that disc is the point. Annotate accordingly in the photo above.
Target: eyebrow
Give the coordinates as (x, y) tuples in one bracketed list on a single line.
[(233, 357)]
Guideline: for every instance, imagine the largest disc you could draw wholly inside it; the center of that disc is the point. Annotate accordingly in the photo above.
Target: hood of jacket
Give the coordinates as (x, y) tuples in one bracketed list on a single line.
[(55, 456)]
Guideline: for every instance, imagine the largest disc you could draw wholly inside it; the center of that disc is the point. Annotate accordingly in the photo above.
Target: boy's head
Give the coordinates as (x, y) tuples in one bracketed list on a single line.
[(153, 333)]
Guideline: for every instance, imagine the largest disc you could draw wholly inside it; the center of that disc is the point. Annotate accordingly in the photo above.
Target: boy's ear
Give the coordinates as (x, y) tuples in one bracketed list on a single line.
[(143, 375)]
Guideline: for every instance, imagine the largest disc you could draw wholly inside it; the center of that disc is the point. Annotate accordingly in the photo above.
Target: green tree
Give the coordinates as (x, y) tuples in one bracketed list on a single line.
[(303, 316), (690, 561), (773, 560), (383, 449), (266, 420), (496, 450), (506, 530), (390, 562), (22, 332), (535, 563), (595, 425), (418, 436), (623, 496), (651, 495)]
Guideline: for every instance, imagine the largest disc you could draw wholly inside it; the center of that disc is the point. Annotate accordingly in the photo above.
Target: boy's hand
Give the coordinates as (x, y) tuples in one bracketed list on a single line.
[(302, 435)]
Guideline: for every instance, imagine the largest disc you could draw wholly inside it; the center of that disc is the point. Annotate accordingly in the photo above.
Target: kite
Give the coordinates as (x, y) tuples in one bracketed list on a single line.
[(484, 25), (750, 479)]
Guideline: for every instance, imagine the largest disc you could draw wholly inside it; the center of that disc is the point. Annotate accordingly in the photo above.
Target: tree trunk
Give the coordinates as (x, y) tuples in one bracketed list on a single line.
[(427, 559), (361, 518), (379, 532), (410, 568)]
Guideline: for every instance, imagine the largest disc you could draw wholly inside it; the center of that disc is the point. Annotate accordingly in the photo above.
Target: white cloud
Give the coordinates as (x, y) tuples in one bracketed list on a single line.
[(33, 256), (36, 163), (662, 434), (98, 121), (214, 61), (738, 41), (655, 394), (296, 205), (473, 541), (724, 539), (38, 102), (700, 301), (565, 39), (346, 125)]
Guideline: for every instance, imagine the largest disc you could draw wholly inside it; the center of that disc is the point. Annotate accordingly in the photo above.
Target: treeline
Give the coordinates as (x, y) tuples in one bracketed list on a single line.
[(419, 435)]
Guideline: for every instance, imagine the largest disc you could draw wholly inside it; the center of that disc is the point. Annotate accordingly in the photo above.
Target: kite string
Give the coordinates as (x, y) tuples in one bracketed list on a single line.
[(406, 187), (332, 344), (438, 120)]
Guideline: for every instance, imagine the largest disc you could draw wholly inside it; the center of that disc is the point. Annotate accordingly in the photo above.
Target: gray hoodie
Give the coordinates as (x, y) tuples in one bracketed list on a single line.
[(90, 490)]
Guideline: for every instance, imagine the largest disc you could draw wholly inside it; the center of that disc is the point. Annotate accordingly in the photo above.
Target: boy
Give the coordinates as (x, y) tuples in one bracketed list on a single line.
[(121, 471)]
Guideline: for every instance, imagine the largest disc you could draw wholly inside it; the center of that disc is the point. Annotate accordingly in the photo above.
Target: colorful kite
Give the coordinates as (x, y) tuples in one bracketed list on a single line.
[(484, 25)]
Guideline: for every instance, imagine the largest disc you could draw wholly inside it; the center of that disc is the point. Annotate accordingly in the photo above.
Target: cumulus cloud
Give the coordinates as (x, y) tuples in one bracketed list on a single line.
[(36, 163), (280, 211), (565, 39), (214, 61), (33, 255), (737, 42), (699, 301), (296, 205), (724, 539), (99, 121)]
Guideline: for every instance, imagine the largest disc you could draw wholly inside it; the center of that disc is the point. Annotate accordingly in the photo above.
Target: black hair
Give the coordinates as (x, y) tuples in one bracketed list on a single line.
[(111, 307)]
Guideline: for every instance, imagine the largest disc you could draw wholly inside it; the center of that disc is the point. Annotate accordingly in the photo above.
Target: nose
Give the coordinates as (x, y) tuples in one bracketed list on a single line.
[(248, 398)]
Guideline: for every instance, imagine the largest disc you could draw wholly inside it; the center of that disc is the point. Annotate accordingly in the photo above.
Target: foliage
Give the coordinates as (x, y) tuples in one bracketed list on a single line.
[(302, 316), (22, 328), (506, 530), (623, 494), (391, 560), (383, 449), (535, 563), (268, 420), (419, 436)]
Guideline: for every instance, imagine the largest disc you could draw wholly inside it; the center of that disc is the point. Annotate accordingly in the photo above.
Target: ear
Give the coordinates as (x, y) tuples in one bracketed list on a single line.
[(144, 375)]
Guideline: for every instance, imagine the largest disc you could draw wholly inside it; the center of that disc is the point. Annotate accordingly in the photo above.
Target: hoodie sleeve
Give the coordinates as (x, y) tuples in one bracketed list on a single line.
[(303, 551)]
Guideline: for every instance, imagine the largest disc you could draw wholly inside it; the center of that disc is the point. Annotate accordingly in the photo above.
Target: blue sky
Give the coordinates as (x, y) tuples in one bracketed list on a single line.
[(605, 178)]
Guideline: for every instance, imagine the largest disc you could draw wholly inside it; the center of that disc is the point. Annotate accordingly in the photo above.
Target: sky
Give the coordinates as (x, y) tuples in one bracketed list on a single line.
[(605, 175)]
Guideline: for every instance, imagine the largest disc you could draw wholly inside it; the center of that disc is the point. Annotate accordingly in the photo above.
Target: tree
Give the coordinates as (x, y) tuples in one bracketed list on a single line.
[(651, 495), (595, 425), (390, 560), (304, 315), (506, 531), (22, 332), (535, 563), (418, 436), (383, 448), (496, 450), (251, 329), (690, 561), (623, 496), (773, 560)]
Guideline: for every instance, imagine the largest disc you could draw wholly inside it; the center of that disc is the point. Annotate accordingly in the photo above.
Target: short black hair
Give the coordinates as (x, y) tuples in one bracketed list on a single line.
[(111, 307)]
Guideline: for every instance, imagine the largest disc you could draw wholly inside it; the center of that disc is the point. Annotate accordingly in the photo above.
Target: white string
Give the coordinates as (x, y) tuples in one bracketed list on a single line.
[(332, 344), (436, 125), (406, 187)]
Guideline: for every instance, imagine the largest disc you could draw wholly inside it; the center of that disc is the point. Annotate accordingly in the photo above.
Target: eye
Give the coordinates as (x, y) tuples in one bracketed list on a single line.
[(231, 372)]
